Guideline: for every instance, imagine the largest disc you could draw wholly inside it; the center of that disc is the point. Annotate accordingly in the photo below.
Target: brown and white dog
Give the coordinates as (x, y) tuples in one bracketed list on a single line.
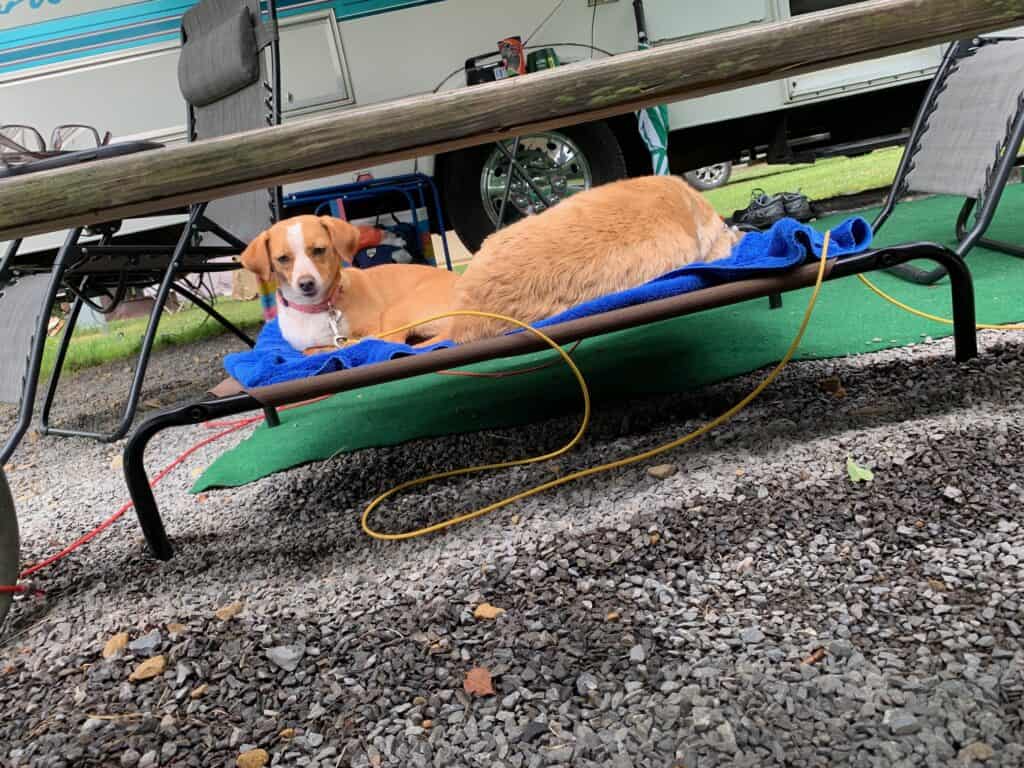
[(320, 304), (599, 241)]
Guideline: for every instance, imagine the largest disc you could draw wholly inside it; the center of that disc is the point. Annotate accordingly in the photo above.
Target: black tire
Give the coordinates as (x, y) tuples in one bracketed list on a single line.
[(458, 176), (699, 180), (9, 546)]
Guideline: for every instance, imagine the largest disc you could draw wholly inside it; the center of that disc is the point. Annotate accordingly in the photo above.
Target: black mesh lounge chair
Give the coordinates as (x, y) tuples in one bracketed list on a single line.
[(965, 141), (229, 86), (231, 399)]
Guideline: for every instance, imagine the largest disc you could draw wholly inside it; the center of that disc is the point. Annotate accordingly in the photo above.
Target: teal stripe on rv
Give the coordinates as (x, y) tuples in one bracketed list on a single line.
[(105, 20), (141, 32), (134, 25)]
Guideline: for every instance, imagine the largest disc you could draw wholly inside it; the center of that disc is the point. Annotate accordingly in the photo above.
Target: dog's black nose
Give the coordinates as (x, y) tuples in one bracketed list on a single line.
[(307, 285)]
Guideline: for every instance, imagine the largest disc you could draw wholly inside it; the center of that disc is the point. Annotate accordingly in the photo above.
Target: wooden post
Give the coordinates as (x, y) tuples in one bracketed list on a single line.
[(304, 149)]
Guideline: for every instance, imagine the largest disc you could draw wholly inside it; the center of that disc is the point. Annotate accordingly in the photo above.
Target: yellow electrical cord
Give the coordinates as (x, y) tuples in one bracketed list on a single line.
[(583, 425), (907, 308)]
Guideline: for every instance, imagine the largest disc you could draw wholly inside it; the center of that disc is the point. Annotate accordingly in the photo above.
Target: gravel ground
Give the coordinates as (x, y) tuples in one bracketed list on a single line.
[(753, 607)]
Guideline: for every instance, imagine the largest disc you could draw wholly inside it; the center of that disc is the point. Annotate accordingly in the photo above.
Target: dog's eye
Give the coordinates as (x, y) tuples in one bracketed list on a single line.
[(283, 259), (318, 252)]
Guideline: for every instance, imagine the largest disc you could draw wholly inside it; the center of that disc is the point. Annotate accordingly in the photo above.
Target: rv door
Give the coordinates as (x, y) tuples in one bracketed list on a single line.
[(669, 20)]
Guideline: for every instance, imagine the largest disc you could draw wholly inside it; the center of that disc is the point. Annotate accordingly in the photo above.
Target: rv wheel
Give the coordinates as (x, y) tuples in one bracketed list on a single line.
[(8, 546), (710, 176), (559, 164)]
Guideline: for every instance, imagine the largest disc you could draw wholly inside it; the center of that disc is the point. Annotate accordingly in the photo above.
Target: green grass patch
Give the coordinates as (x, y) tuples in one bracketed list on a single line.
[(123, 338), (819, 181)]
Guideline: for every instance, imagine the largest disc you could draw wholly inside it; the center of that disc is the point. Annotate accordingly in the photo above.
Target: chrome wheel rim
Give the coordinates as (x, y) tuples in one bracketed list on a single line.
[(555, 165), (710, 174)]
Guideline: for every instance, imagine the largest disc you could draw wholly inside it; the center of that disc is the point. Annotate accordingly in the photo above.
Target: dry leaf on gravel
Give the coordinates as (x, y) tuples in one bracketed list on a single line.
[(487, 611), (612, 616), (816, 655), (833, 386), (199, 691), (229, 611), (115, 645), (149, 669), (176, 629), (478, 682), (254, 758), (287, 733), (662, 471)]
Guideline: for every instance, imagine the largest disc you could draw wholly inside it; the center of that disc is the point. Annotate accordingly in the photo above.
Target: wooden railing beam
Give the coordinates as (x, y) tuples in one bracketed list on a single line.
[(423, 125)]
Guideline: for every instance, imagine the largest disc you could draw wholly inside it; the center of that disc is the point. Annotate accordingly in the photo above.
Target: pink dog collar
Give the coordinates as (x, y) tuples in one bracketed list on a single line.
[(306, 309), (311, 309)]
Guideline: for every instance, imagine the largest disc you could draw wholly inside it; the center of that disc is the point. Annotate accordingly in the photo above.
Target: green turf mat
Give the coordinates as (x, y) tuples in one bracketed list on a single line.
[(671, 356)]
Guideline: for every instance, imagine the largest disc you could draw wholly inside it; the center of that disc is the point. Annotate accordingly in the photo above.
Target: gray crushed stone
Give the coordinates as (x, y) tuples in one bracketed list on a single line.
[(751, 608)]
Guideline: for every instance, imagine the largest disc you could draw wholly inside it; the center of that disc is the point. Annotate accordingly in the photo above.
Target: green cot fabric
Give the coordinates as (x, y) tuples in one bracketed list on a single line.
[(676, 355)]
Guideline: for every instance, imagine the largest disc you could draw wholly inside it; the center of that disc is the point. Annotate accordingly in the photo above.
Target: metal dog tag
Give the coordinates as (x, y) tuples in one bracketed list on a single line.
[(333, 316)]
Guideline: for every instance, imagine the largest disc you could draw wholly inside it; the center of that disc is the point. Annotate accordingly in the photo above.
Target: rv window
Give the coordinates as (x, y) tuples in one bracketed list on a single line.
[(313, 70), (796, 7)]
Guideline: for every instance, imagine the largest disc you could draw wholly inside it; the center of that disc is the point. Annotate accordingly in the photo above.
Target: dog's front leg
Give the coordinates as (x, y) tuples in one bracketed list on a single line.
[(389, 321)]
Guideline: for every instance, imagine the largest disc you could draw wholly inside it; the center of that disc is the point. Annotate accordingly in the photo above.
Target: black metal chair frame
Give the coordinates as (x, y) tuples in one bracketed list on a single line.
[(1004, 159), (138, 482), (108, 268)]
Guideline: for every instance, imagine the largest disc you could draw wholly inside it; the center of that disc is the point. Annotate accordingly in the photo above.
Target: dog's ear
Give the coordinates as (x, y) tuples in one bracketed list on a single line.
[(344, 236), (256, 257)]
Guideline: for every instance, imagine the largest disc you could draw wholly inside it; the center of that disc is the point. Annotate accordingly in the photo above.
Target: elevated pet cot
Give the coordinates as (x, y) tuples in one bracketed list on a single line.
[(231, 399)]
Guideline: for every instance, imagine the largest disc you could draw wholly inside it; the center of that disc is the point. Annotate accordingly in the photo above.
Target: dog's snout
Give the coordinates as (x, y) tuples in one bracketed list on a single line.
[(307, 285)]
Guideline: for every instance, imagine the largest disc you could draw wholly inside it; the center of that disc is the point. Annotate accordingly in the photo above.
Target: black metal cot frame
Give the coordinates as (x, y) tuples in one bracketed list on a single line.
[(269, 398), (108, 267), (1005, 157)]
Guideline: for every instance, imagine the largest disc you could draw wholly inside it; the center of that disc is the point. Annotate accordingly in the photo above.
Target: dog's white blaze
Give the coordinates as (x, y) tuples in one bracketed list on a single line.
[(304, 266)]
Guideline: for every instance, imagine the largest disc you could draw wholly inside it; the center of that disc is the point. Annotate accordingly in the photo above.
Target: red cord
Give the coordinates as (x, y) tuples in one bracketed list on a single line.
[(235, 426), (250, 420)]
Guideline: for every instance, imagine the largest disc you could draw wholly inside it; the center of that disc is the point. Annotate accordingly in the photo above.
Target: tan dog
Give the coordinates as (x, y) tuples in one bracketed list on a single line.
[(596, 242), (321, 305)]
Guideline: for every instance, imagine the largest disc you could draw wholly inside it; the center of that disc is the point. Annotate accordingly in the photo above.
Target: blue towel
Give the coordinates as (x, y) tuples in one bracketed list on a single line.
[(786, 245)]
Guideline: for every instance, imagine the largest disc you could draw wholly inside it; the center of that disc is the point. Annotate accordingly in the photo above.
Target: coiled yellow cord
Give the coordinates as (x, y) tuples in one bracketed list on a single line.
[(582, 429)]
